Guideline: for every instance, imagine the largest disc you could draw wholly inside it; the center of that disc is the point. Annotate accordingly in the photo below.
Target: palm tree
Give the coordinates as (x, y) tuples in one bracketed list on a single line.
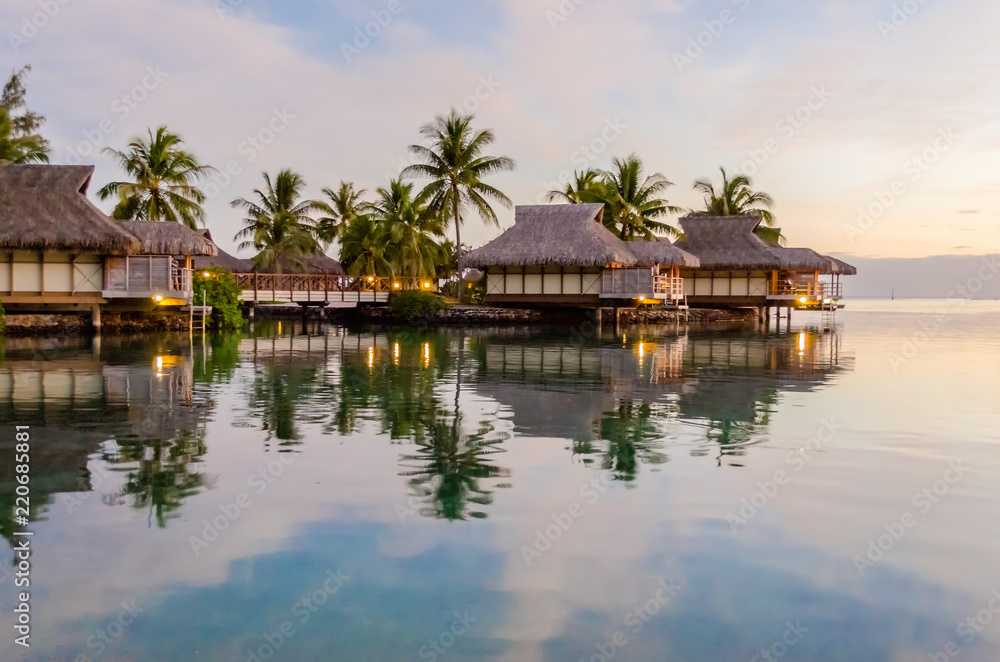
[(16, 149), (736, 198), (454, 162), (410, 228), (587, 186), (162, 186), (633, 203), (344, 206), (19, 140), (277, 222), (363, 248)]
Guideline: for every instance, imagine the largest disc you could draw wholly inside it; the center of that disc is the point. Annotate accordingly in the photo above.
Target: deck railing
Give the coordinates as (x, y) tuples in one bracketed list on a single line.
[(140, 276), (669, 288), (813, 290)]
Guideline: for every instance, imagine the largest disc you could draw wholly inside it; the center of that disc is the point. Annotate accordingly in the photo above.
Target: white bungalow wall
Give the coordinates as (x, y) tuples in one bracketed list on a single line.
[(31, 272), (725, 283), (533, 281)]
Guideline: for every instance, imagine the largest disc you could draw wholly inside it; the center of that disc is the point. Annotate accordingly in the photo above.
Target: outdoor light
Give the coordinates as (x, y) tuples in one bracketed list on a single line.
[(803, 300), (642, 299), (207, 275), (396, 285), (158, 298), (371, 280), (426, 285)]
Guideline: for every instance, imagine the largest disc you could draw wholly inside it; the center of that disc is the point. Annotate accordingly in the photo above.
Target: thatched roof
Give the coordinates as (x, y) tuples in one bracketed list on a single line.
[(729, 242), (841, 267), (659, 252), (222, 259), (567, 235), (46, 207), (314, 264), (804, 259), (168, 238)]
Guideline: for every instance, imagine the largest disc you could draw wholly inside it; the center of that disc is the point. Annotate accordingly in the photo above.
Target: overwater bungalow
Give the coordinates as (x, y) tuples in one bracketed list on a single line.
[(563, 256), (739, 269), (60, 253)]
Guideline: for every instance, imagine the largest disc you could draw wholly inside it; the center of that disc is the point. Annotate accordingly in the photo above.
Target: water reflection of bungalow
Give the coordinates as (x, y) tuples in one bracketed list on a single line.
[(565, 392), (739, 269), (60, 253), (74, 404), (562, 255)]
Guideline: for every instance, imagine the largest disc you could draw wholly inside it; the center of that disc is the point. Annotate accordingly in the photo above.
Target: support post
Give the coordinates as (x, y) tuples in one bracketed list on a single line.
[(95, 317), (788, 321)]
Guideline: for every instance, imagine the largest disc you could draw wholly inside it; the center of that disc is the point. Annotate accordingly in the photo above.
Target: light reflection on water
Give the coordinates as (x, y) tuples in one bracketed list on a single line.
[(540, 481)]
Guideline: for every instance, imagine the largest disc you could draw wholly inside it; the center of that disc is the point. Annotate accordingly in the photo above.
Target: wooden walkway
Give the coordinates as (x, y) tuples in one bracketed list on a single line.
[(323, 290)]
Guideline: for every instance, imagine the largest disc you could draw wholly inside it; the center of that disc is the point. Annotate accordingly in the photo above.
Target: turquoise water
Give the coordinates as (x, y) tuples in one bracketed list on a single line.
[(514, 494)]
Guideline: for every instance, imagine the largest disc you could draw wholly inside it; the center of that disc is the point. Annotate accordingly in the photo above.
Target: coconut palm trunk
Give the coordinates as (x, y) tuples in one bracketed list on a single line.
[(458, 241)]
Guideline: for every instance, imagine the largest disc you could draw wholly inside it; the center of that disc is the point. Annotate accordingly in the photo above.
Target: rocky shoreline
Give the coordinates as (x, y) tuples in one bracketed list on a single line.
[(26, 325), (69, 324), (462, 316)]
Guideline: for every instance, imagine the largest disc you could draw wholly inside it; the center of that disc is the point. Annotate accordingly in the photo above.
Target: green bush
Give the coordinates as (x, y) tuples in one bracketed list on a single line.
[(223, 296), (414, 304)]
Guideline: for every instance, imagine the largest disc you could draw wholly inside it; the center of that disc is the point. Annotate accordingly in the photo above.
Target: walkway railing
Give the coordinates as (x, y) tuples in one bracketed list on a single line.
[(263, 285)]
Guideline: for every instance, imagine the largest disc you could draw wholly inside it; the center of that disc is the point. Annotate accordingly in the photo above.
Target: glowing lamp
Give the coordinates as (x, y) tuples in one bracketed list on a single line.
[(158, 298), (803, 300)]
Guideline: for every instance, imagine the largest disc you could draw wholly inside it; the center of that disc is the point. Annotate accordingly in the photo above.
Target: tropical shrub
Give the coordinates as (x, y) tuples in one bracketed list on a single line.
[(223, 294), (415, 304)]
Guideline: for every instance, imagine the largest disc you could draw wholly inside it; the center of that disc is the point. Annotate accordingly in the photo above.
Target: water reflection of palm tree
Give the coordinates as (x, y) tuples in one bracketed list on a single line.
[(160, 476), (632, 438), (448, 465), (282, 397)]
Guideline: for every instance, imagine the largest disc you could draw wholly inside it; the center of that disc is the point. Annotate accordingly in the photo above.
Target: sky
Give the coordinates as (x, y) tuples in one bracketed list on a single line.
[(874, 125)]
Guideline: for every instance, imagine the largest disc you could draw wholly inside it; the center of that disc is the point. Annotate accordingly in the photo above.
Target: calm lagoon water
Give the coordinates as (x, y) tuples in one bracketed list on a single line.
[(520, 495)]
